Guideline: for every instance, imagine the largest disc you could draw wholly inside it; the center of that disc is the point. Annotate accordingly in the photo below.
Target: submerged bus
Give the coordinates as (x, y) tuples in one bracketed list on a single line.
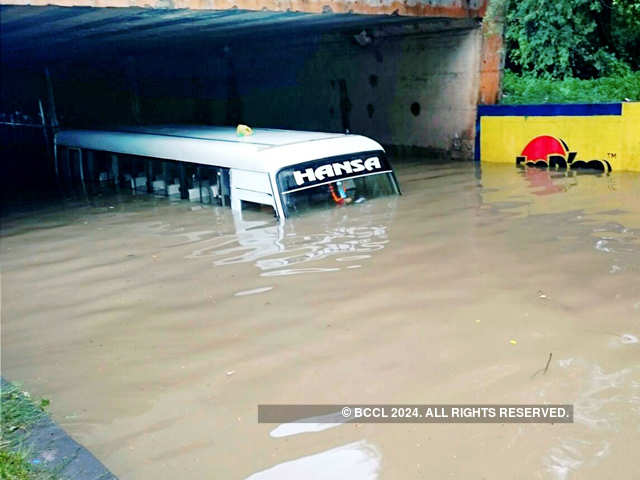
[(289, 171)]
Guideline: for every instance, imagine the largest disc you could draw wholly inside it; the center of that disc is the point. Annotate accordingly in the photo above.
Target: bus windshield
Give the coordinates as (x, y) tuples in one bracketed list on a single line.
[(335, 181)]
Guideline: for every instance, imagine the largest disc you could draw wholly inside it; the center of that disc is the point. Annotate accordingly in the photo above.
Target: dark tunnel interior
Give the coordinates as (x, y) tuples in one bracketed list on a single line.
[(407, 82)]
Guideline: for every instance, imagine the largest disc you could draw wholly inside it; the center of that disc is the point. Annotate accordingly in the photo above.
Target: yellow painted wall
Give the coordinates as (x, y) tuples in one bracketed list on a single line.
[(615, 138)]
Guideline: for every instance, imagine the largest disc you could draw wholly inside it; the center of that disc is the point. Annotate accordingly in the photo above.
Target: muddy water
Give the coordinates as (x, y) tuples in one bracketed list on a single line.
[(156, 328)]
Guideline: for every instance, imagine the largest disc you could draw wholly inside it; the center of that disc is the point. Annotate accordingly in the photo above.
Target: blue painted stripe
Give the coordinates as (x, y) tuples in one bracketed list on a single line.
[(550, 110)]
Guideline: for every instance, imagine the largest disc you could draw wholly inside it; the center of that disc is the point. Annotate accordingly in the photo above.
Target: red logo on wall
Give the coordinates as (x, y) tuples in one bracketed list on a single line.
[(546, 151)]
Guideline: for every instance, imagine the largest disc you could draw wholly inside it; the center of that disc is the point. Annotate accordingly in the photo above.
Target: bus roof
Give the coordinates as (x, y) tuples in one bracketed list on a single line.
[(266, 150)]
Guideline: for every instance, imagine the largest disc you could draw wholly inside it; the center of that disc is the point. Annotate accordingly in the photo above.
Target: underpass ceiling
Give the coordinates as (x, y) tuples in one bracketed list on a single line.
[(32, 36)]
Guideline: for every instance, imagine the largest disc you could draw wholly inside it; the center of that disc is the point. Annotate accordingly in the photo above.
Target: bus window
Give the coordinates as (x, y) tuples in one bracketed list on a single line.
[(335, 182)]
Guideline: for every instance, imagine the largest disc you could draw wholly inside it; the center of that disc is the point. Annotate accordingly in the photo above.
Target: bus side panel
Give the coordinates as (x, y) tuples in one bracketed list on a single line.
[(252, 187)]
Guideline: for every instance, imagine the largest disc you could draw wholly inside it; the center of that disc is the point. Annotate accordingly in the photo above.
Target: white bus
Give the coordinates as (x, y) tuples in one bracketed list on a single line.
[(289, 171)]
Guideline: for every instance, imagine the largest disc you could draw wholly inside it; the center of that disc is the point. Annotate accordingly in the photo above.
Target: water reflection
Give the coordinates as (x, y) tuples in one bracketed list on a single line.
[(541, 181), (544, 181), (295, 247), (354, 461), (578, 208)]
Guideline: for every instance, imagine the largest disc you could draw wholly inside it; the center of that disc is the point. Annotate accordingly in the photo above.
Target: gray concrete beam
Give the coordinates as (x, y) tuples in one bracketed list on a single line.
[(419, 8)]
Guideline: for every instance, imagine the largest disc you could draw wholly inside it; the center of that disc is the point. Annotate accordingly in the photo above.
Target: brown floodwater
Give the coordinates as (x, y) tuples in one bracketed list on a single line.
[(157, 327)]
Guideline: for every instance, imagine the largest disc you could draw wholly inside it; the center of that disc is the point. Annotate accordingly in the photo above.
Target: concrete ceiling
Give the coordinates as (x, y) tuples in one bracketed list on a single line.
[(34, 35)]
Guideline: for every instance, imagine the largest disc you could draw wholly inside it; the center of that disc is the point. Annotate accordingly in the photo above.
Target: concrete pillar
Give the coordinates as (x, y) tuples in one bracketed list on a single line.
[(492, 55)]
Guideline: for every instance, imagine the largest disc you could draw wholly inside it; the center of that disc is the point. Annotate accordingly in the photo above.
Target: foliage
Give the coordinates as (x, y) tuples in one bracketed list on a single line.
[(626, 32), (14, 465), (527, 89), (572, 38), (17, 414)]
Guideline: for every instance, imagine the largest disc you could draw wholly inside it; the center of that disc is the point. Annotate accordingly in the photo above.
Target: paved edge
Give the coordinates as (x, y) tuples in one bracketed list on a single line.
[(55, 450)]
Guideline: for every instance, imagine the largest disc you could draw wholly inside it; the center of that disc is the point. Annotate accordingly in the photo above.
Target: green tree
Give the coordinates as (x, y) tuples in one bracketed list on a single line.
[(572, 38), (625, 31)]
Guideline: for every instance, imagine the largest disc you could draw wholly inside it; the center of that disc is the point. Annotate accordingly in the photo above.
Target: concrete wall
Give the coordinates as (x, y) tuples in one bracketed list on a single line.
[(417, 90), (408, 87)]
